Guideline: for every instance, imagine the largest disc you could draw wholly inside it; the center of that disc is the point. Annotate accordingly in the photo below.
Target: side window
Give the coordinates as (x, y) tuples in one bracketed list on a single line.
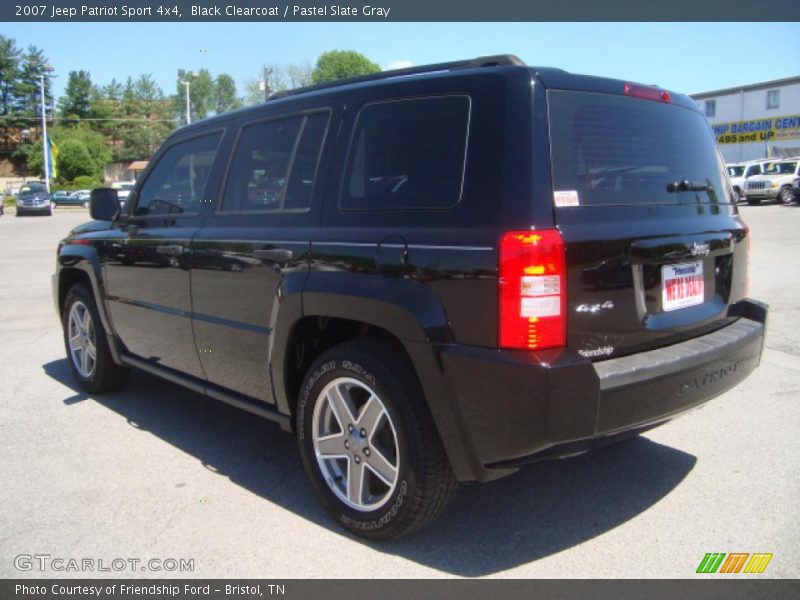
[(711, 108), (274, 165), (408, 154), (773, 99), (178, 182)]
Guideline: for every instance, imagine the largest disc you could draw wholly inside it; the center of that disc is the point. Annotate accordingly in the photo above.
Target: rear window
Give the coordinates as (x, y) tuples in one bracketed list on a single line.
[(408, 154), (609, 149), (275, 165)]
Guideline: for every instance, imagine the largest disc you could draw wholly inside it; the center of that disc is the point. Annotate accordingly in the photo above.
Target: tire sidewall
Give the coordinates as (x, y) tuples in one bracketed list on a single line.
[(384, 521)]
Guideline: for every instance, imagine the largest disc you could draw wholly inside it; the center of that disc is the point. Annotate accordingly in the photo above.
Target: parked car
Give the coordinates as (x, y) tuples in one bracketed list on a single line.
[(781, 175), (429, 275), (82, 196), (64, 198), (123, 188), (756, 186), (736, 176), (34, 199)]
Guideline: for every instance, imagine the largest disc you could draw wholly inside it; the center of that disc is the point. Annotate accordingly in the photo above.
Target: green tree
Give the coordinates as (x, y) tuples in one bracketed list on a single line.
[(299, 75), (9, 71), (77, 101), (113, 91), (148, 118), (81, 151), (201, 94), (74, 160), (340, 64), (26, 90), (225, 88)]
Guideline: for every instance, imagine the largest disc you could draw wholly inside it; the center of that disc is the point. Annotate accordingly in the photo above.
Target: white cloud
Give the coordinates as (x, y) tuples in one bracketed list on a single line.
[(398, 64)]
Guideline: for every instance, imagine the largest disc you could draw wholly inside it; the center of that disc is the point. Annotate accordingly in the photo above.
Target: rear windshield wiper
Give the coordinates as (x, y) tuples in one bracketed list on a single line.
[(688, 186)]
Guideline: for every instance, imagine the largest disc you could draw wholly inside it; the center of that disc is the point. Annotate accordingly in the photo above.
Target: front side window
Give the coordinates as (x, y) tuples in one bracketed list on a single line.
[(408, 154), (711, 108), (178, 182), (275, 165), (753, 170), (773, 99)]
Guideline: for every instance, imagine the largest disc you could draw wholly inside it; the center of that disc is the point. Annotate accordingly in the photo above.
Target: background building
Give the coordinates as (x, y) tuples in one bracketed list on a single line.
[(756, 120)]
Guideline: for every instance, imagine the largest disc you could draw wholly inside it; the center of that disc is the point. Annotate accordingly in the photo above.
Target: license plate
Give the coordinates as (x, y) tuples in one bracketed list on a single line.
[(682, 285)]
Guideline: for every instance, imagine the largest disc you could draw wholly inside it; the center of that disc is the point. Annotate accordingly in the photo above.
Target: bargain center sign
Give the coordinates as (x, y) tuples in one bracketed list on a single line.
[(777, 129)]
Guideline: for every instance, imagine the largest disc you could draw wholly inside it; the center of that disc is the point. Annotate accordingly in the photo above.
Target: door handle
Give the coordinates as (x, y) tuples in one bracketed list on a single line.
[(170, 250), (278, 255)]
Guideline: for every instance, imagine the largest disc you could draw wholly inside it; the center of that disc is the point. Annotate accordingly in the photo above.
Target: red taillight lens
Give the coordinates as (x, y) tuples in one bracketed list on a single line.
[(532, 290), (647, 92)]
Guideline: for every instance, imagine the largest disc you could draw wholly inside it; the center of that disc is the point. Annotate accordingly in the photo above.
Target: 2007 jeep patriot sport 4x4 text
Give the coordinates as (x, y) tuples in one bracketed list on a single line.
[(430, 275)]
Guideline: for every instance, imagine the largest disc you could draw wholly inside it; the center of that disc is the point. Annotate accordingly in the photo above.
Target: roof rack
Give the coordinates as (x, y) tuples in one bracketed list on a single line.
[(482, 61)]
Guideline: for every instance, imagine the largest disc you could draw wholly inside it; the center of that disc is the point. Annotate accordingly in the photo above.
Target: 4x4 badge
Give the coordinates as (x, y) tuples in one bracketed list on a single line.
[(698, 249), (593, 308)]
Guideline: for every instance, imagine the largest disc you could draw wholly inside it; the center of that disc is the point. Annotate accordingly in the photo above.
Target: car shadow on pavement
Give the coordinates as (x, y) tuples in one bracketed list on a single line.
[(544, 509)]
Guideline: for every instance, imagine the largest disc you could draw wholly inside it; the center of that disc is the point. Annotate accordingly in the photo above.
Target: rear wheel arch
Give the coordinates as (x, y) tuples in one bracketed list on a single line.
[(310, 336)]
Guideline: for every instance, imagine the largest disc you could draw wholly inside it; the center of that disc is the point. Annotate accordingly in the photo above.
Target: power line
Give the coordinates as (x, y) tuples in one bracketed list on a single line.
[(117, 119)]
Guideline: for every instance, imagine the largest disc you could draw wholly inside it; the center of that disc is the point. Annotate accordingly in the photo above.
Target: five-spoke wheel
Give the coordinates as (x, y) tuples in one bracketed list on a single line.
[(368, 442), (355, 443), (82, 340)]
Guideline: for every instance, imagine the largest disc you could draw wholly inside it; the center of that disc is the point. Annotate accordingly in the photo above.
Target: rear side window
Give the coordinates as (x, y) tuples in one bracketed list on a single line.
[(275, 164), (618, 150), (408, 154), (178, 182)]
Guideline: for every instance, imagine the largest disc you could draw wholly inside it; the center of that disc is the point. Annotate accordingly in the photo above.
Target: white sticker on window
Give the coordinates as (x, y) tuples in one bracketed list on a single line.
[(566, 198)]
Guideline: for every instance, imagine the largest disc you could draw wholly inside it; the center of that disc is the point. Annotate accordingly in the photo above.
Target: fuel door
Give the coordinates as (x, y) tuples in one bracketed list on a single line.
[(391, 256)]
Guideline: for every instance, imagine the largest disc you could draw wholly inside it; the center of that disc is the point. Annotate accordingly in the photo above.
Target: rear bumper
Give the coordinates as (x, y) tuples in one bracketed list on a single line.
[(512, 408)]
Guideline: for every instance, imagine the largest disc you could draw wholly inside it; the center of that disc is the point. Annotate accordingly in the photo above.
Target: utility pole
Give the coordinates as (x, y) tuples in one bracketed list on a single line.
[(45, 141), (186, 81), (267, 73)]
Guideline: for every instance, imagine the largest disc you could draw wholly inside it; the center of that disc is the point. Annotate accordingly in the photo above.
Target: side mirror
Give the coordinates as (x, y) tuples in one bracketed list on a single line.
[(103, 204)]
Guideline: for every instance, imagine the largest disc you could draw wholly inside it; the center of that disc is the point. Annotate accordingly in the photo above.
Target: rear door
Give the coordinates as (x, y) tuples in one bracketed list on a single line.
[(655, 247), (254, 246)]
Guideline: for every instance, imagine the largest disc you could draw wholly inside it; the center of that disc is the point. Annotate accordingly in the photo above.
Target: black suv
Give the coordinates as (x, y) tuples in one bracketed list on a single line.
[(430, 275)]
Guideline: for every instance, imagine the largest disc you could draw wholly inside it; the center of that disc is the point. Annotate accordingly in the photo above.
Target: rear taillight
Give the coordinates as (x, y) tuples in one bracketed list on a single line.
[(647, 92), (532, 290)]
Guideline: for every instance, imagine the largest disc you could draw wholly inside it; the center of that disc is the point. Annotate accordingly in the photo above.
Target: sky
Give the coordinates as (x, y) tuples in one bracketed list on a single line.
[(683, 57)]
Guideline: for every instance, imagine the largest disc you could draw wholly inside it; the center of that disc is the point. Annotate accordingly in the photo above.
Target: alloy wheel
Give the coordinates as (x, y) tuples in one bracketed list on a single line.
[(356, 444), (82, 340)]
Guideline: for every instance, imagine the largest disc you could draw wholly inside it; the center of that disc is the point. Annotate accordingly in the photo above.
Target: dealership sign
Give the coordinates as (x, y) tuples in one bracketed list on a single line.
[(776, 129)]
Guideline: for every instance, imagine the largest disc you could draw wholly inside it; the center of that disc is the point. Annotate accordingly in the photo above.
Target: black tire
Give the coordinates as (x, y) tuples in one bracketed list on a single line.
[(107, 376), (424, 483), (754, 201)]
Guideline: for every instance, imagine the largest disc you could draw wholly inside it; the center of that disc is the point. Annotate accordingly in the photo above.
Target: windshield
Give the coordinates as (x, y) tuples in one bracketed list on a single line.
[(29, 189), (608, 149), (735, 171), (781, 168)]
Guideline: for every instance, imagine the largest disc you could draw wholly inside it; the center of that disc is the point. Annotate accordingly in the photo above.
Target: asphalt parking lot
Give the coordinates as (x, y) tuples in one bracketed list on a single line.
[(158, 472)]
